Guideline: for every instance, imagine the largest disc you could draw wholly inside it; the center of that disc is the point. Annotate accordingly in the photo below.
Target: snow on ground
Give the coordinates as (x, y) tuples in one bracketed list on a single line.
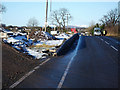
[(50, 42), (19, 43), (37, 55), (63, 36), (15, 39), (17, 33), (48, 35), (12, 39), (54, 42), (18, 39)]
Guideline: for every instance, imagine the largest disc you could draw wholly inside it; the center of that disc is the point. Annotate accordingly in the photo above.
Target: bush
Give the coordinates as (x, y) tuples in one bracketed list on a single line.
[(112, 31)]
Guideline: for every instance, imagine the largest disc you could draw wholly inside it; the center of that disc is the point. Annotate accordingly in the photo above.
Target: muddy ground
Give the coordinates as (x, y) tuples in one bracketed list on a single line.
[(15, 65)]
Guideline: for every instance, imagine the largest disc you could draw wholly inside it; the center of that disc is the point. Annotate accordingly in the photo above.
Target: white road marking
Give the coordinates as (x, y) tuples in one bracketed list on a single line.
[(68, 66), (111, 45), (114, 48), (28, 74), (36, 67), (106, 42), (101, 39), (44, 61), (64, 75)]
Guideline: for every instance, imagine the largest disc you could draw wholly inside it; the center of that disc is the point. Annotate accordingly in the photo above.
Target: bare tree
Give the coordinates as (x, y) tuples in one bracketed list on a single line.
[(2, 8), (32, 22), (60, 17), (111, 19), (55, 18)]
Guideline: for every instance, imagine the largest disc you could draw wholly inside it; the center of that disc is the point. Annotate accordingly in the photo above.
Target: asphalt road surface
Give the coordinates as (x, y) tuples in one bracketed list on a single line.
[(92, 64)]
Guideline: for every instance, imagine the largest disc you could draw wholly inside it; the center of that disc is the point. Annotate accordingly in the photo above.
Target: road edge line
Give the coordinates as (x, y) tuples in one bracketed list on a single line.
[(28, 74), (114, 48), (68, 66), (64, 75), (106, 42)]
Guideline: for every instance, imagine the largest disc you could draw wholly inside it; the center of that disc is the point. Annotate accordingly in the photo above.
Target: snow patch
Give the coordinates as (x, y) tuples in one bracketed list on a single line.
[(37, 55), (50, 42), (63, 36)]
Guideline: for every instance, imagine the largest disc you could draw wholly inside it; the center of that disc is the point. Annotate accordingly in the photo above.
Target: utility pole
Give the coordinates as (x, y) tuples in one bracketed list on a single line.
[(54, 28), (119, 7), (119, 18), (67, 21), (46, 15), (50, 5)]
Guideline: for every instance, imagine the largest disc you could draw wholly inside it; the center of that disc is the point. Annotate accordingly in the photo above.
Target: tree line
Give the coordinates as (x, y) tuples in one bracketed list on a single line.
[(109, 22), (60, 18)]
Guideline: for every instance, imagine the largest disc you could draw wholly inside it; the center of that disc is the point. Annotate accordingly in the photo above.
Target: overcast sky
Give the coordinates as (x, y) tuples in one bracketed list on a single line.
[(18, 13)]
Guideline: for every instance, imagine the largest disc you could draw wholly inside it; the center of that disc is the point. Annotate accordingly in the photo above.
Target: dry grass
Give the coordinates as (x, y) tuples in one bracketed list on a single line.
[(112, 31), (44, 45)]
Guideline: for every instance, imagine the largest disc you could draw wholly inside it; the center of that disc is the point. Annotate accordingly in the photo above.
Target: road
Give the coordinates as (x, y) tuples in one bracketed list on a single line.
[(92, 64)]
